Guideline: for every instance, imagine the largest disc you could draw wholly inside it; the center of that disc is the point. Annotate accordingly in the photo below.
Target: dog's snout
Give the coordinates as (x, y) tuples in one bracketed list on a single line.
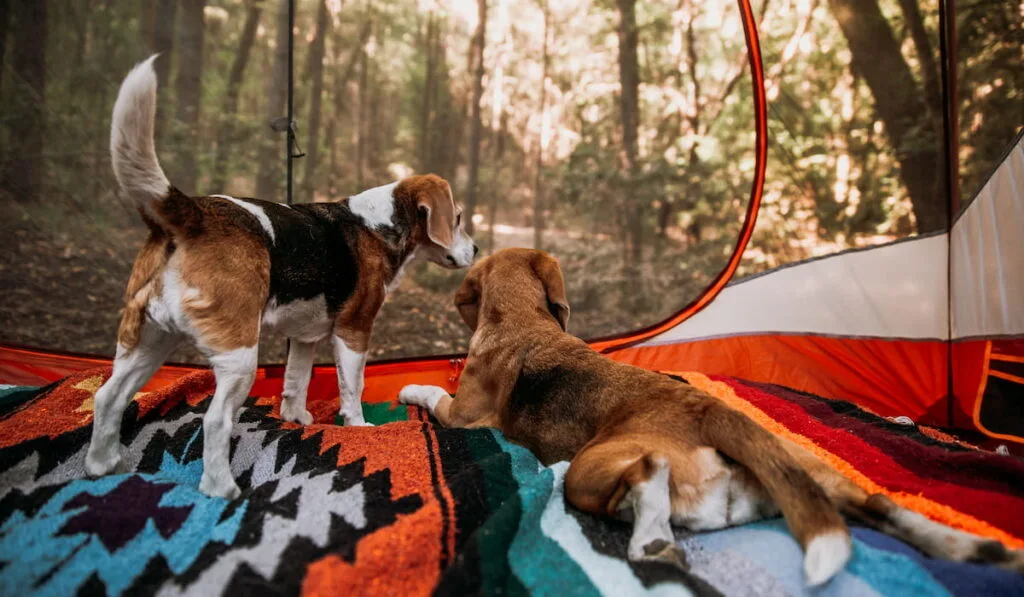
[(476, 250)]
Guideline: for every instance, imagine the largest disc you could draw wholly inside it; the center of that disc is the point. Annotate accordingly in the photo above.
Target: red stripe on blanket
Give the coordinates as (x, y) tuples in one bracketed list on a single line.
[(976, 469), (1000, 510)]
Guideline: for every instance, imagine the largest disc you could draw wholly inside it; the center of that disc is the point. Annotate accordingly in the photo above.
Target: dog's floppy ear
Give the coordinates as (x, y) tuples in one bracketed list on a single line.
[(434, 200), (467, 298), (547, 269)]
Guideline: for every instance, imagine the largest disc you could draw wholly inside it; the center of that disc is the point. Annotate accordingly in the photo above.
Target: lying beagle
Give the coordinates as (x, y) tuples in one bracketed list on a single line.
[(646, 447), (218, 270)]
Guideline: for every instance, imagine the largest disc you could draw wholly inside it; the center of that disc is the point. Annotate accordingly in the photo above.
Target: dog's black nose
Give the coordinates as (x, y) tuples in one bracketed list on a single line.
[(476, 250)]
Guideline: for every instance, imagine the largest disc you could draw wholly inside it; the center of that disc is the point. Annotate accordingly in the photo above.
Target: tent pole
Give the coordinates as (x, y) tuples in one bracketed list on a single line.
[(290, 134), (947, 61)]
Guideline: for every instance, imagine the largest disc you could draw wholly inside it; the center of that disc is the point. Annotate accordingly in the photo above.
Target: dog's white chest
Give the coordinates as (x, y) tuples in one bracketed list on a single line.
[(303, 320)]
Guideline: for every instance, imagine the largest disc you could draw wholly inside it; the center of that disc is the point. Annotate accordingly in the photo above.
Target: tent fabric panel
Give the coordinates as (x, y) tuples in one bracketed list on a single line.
[(987, 263), (999, 403), (891, 291), (28, 367), (969, 360), (889, 377)]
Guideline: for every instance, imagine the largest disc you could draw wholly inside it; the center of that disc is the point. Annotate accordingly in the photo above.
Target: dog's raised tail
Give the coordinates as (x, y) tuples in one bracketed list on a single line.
[(811, 515), (132, 148)]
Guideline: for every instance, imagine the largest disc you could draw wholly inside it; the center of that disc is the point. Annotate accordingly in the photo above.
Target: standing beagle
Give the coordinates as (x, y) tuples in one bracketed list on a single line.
[(218, 270), (646, 447)]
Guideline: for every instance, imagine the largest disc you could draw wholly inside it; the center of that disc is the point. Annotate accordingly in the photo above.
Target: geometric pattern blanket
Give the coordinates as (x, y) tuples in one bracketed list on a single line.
[(409, 508)]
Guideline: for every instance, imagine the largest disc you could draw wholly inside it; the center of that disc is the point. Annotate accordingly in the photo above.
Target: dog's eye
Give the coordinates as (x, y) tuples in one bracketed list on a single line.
[(458, 220)]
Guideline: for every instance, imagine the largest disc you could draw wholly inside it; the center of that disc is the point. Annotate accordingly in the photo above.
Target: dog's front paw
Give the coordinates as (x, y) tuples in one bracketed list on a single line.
[(290, 411), (423, 396), (353, 415), (101, 465), (219, 487)]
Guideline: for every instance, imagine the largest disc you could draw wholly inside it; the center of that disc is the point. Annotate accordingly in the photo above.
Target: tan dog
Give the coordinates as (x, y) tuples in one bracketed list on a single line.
[(646, 447)]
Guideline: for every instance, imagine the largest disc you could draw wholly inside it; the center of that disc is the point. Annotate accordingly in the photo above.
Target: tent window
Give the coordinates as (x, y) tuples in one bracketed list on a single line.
[(636, 177)]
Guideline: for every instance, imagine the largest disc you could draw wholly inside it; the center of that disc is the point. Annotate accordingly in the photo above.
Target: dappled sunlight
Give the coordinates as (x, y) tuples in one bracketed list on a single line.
[(617, 135)]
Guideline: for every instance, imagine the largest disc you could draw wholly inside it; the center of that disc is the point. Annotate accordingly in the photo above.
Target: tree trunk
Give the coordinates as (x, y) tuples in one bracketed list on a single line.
[(479, 41), (163, 44), (147, 23), (226, 136), (499, 119), (492, 204), (361, 111), (268, 182), (538, 202), (25, 164), (316, 74), (900, 104), (189, 84), (375, 85), (341, 80), (5, 10), (428, 92), (931, 78), (448, 121), (923, 47), (629, 78)]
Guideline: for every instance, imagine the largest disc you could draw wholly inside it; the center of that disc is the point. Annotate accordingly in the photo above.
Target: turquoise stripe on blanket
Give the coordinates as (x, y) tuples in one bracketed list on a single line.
[(550, 554), (541, 565), (872, 571)]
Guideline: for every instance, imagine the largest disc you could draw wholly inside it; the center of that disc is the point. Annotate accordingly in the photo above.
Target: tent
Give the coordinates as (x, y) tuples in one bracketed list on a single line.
[(855, 356), (927, 327)]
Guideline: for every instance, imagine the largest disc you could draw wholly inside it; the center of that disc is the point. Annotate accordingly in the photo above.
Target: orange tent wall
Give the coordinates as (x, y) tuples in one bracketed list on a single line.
[(889, 377)]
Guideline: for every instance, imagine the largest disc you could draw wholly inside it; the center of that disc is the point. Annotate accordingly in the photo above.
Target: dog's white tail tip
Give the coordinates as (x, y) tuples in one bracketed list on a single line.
[(132, 152), (827, 554)]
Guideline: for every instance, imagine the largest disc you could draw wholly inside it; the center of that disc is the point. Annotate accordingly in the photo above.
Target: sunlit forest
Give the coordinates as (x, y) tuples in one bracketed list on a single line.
[(617, 134)]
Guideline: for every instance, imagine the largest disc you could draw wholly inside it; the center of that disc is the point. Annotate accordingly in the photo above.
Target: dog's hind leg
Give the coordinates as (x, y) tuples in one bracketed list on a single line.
[(621, 478), (296, 382), (235, 371), (132, 369), (651, 504)]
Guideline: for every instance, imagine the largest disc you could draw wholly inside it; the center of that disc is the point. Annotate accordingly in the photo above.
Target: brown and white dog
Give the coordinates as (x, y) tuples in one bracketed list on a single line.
[(218, 270), (647, 447)]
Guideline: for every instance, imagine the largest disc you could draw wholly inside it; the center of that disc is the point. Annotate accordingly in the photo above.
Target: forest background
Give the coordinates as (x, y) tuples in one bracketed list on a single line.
[(617, 134)]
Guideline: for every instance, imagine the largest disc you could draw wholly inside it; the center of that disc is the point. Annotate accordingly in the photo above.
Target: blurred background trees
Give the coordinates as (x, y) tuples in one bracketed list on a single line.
[(616, 134)]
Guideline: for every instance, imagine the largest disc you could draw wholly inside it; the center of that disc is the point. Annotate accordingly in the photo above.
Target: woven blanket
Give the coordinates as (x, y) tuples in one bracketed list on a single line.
[(408, 508)]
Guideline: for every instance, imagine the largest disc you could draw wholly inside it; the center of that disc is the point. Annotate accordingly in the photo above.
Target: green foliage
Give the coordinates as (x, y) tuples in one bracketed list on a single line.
[(834, 179)]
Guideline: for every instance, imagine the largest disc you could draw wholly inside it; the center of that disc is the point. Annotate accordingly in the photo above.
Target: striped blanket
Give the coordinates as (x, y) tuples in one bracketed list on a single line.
[(407, 508)]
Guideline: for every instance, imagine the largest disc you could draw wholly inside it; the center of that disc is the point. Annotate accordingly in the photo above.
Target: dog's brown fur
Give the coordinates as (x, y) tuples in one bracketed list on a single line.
[(619, 416), (209, 243), (553, 394), (143, 284)]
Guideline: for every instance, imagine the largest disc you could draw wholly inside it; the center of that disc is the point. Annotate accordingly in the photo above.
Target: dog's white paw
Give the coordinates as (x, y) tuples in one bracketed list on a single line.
[(423, 396), (354, 419), (219, 487), (290, 411), (826, 556), (665, 552), (100, 464)]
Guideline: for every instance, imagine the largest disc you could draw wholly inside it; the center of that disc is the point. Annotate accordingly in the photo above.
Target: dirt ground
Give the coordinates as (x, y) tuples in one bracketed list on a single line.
[(63, 291)]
